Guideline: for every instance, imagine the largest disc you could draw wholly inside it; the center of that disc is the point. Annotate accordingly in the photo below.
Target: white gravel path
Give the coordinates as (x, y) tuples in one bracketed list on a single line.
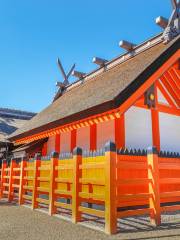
[(21, 223)]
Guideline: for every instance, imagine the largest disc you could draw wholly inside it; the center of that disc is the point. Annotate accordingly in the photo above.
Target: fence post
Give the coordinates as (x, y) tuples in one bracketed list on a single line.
[(153, 175), (53, 175), (11, 180), (76, 186), (37, 164), (4, 165), (22, 180), (110, 189)]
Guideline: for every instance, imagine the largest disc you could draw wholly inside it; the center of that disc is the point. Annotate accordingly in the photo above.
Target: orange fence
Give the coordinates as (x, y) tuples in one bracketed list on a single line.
[(108, 183)]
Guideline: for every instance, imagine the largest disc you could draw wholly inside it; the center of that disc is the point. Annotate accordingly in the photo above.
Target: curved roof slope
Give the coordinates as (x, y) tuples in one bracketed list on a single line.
[(102, 92)]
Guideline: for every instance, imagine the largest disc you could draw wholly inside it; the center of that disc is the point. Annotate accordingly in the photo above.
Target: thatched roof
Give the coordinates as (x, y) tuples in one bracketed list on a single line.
[(101, 92), (11, 120)]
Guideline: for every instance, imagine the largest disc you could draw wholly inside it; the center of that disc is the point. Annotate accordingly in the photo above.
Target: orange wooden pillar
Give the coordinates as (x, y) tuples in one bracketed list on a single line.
[(22, 180), (11, 180), (37, 164), (52, 187), (119, 127), (44, 149), (4, 165), (155, 122), (110, 189), (153, 175), (93, 137), (76, 188), (57, 143), (73, 139)]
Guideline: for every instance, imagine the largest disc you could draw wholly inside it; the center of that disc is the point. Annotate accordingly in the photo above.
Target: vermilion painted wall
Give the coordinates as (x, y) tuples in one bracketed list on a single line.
[(105, 132), (83, 138)]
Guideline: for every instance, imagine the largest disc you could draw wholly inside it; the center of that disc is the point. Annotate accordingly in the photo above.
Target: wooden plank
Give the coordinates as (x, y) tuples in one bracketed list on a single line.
[(94, 165), (134, 196), (16, 177), (57, 191), (16, 169), (136, 212), (92, 181), (63, 180), (170, 208), (15, 185), (44, 168), (169, 166), (63, 205), (170, 194), (131, 165), (92, 211), (92, 196), (29, 169), (41, 200), (28, 178), (6, 192), (169, 180), (133, 181), (43, 179), (5, 184), (43, 189), (27, 187), (27, 197), (64, 167)]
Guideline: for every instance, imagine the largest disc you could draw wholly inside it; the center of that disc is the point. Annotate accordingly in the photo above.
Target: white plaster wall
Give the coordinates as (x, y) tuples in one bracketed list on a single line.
[(105, 133), (138, 129), (161, 98), (51, 145), (65, 142), (83, 138), (169, 132)]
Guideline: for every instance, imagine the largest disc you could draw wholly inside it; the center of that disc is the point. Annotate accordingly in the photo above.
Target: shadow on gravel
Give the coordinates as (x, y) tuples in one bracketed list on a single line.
[(5, 204), (141, 227)]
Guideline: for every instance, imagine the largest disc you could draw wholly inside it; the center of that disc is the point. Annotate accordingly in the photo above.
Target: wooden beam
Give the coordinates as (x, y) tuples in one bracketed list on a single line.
[(165, 94), (73, 139), (172, 83), (44, 149), (170, 90), (119, 127), (93, 137), (57, 142), (175, 76), (155, 123)]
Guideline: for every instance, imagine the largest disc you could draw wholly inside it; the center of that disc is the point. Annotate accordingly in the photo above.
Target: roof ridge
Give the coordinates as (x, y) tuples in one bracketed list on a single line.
[(143, 46)]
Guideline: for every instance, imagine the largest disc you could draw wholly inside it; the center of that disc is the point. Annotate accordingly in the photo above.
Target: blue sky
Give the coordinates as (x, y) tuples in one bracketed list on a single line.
[(34, 33)]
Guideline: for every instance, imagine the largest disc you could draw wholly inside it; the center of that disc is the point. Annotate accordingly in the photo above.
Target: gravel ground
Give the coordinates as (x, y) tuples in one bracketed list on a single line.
[(21, 223)]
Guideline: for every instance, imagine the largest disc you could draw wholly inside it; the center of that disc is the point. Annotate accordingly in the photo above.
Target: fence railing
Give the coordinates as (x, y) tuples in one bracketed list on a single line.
[(108, 183)]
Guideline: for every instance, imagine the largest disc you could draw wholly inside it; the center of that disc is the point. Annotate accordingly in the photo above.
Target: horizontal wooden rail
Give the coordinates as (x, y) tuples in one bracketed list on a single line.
[(63, 205), (92, 166), (90, 211), (169, 180), (129, 165), (92, 181), (133, 181), (136, 212)]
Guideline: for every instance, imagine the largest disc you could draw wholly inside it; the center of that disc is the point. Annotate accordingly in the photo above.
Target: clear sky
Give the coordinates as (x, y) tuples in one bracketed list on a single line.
[(34, 33)]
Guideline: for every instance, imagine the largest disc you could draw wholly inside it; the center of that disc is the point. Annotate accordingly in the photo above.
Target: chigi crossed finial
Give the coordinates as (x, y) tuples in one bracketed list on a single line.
[(65, 76), (173, 26)]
